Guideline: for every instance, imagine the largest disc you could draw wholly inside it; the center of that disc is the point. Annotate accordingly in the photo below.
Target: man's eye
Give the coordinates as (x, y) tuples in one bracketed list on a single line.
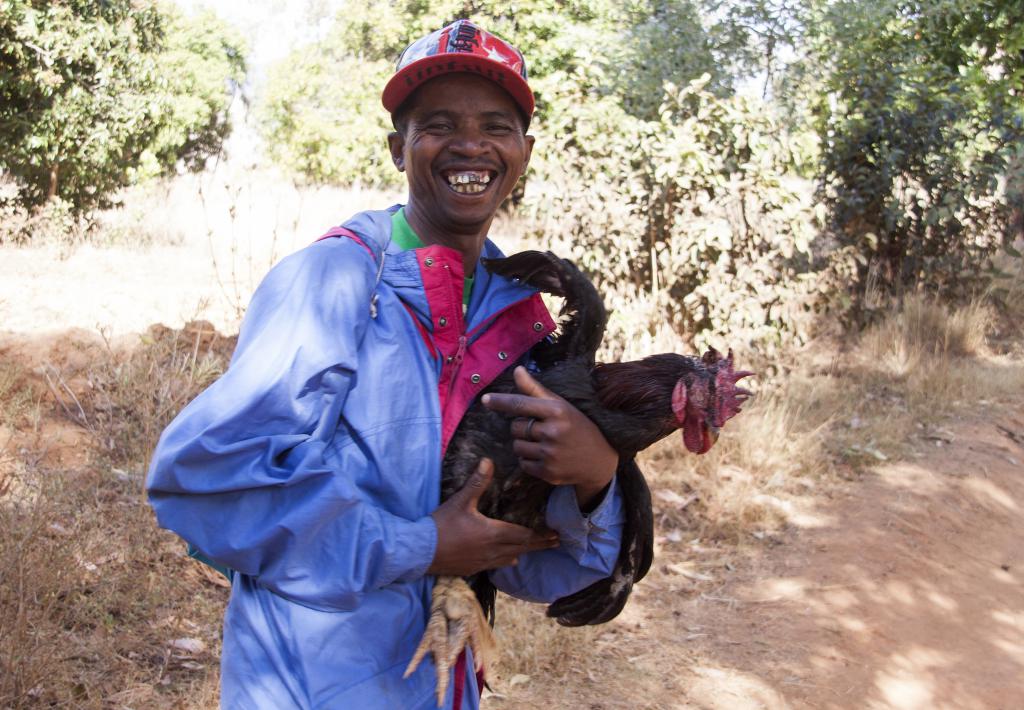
[(499, 128), (438, 126)]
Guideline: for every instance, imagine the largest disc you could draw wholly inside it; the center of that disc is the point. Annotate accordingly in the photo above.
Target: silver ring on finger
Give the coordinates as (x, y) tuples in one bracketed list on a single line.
[(527, 433)]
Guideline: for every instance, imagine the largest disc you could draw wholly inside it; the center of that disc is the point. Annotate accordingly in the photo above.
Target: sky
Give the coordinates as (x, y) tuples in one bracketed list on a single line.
[(274, 27)]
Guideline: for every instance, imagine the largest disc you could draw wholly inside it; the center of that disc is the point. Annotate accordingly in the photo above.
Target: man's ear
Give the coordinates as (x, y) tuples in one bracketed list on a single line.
[(529, 152), (396, 144)]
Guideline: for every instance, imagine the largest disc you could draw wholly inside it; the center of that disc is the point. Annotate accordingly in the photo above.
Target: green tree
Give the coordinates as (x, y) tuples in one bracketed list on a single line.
[(757, 39), (690, 212), (921, 127), (323, 129), (95, 95), (199, 68)]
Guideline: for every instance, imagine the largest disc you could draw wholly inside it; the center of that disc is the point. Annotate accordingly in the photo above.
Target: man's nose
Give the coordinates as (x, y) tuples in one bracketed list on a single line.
[(470, 141)]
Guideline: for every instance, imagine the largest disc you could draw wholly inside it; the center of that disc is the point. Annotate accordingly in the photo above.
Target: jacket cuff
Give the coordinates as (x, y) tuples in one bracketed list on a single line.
[(564, 516), (412, 550)]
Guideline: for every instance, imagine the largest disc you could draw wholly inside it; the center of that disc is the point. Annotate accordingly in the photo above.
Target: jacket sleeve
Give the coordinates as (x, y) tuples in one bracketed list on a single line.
[(588, 551), (240, 472)]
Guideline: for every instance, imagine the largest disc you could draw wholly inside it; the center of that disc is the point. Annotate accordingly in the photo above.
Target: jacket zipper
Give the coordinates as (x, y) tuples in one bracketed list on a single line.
[(456, 291), (456, 364)]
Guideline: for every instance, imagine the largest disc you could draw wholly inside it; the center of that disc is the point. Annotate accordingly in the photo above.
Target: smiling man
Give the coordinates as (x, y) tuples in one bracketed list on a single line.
[(312, 467)]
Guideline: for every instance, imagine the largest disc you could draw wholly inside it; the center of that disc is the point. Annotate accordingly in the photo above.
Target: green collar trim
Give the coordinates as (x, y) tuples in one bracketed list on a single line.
[(401, 232), (406, 239)]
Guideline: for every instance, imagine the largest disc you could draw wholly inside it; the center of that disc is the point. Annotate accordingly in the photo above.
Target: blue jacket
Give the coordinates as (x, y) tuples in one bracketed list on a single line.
[(312, 465)]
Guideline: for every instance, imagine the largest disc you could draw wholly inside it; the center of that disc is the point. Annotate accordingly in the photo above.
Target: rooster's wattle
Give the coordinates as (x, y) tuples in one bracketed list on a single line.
[(634, 404)]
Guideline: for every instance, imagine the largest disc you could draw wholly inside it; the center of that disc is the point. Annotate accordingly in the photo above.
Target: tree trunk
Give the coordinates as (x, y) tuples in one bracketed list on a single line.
[(51, 192)]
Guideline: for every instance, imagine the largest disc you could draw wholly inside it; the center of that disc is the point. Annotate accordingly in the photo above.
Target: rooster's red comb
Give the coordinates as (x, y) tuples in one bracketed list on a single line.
[(730, 397)]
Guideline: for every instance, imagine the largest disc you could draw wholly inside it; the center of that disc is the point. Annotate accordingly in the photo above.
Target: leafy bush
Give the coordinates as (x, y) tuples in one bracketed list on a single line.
[(689, 212), (921, 130), (53, 222), (95, 95), (325, 130), (201, 61)]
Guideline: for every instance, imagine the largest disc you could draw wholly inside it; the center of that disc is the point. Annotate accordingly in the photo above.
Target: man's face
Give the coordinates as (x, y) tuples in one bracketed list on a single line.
[(462, 150)]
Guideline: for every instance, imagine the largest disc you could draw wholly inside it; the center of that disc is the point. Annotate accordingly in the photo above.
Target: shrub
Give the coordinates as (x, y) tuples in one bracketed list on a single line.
[(325, 130), (691, 212), (921, 127), (52, 222), (95, 95)]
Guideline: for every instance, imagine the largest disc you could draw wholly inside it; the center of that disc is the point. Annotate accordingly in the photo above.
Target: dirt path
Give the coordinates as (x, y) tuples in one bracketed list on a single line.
[(909, 596), (906, 593), (903, 588)]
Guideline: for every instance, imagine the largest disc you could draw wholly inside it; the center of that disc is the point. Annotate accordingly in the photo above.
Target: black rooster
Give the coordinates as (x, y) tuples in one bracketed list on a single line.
[(634, 404)]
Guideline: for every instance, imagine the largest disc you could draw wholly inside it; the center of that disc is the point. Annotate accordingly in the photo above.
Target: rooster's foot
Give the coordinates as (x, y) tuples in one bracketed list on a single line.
[(455, 619)]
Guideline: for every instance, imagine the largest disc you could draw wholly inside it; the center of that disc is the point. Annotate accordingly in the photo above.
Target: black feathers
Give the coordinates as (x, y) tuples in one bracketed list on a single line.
[(566, 367)]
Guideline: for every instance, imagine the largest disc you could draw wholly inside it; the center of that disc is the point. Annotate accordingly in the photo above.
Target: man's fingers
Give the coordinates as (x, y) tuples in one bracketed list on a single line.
[(512, 535), (531, 450), (477, 484), (506, 562), (543, 543), (520, 405), (536, 469), (532, 545), (521, 428), (545, 540), (529, 386)]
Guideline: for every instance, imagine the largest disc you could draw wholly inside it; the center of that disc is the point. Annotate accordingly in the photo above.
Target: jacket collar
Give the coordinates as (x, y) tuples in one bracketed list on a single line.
[(402, 272)]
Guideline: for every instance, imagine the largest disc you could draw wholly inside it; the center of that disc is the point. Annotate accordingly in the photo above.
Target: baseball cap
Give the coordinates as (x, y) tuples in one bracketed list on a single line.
[(459, 47)]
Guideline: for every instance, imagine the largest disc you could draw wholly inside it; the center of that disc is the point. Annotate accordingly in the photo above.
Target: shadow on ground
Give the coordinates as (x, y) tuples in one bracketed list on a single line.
[(907, 594)]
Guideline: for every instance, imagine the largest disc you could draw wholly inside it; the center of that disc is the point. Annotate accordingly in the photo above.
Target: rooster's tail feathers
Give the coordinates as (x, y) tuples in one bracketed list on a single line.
[(583, 313)]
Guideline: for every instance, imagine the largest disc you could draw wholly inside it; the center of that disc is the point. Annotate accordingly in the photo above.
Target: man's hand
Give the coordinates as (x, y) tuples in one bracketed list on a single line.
[(554, 440), (469, 542)]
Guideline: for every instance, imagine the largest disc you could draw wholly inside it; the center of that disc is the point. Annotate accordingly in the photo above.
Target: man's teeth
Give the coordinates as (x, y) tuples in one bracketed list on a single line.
[(469, 182), (469, 177), (469, 189)]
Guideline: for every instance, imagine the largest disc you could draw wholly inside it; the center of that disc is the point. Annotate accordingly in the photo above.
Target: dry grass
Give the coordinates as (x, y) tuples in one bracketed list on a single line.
[(20, 399), (533, 645), (926, 330), (92, 594), (925, 366), (133, 392)]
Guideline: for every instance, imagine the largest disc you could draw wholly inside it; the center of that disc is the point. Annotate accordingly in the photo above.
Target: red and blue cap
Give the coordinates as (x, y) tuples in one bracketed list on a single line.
[(459, 47)]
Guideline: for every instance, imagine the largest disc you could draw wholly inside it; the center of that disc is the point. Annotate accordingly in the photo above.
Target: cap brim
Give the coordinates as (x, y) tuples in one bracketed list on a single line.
[(410, 78)]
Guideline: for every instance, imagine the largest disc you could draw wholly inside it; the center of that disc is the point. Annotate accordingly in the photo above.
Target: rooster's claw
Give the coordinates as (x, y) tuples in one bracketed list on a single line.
[(455, 619)]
